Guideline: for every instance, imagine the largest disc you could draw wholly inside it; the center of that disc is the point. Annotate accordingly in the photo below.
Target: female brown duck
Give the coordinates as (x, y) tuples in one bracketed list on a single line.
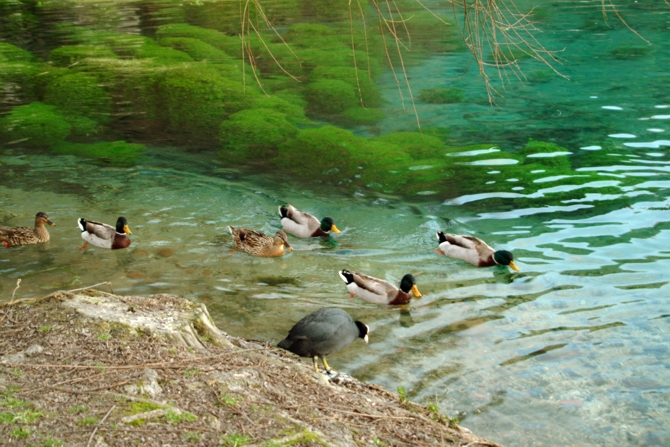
[(11, 236)]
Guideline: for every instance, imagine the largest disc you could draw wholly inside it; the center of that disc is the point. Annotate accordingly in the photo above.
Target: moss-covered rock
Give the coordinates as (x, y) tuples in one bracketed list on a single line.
[(19, 82), (323, 153), (255, 134), (12, 53), (38, 124), (141, 47), (118, 153), (441, 95), (417, 145), (360, 115), (217, 39), (547, 154), (291, 107), (197, 49), (332, 96), (196, 99), (359, 80), (67, 55), (80, 94)]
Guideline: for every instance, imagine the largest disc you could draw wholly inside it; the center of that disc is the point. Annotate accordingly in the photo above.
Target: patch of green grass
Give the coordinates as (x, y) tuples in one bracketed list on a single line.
[(234, 440), (27, 416), (142, 407), (20, 433), (191, 372), (190, 436), (103, 337), (45, 328), (78, 409), (231, 400), (379, 443), (434, 411), (9, 401), (6, 418), (402, 393), (175, 418), (87, 421)]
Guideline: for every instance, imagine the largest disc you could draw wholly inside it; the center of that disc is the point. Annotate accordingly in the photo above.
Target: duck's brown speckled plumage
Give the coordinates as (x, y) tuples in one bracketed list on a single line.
[(257, 243), (12, 236)]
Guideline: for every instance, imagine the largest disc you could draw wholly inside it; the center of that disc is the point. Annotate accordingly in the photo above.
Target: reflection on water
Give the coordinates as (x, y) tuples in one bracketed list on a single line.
[(571, 350)]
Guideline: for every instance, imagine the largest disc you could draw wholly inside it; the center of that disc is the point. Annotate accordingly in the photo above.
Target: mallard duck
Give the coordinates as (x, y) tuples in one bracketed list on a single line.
[(103, 235), (304, 225), (379, 291), (473, 250), (11, 236), (323, 332), (260, 244)]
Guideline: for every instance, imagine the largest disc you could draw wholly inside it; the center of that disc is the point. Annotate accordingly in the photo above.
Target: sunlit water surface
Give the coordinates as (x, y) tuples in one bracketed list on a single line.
[(572, 350)]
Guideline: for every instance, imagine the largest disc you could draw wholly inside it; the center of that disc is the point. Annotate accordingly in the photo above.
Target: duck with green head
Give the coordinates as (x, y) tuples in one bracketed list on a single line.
[(473, 250), (103, 235), (379, 291), (304, 225)]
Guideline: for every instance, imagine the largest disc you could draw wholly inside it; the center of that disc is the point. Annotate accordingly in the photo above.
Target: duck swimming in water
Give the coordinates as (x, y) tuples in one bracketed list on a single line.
[(473, 250), (12, 236)]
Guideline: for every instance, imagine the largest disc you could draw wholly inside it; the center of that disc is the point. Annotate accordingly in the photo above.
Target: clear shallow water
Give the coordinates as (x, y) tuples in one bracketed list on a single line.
[(573, 350)]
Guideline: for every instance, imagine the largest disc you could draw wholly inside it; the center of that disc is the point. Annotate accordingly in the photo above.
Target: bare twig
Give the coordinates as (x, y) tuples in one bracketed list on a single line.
[(99, 424), (18, 284)]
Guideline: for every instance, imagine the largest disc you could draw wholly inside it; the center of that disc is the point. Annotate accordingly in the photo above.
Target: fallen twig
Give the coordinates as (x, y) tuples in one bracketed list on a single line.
[(99, 424)]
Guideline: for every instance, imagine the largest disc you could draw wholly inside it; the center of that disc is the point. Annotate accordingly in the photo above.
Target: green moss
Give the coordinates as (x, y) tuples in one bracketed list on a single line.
[(359, 115), (197, 99), (291, 106), (229, 44), (21, 78), (546, 154), (441, 95), (12, 53), (141, 47), (417, 145), (332, 96), (197, 49), (118, 153), (68, 55), (358, 79), (630, 51), (36, 123), (323, 153), (80, 94), (327, 10), (254, 134)]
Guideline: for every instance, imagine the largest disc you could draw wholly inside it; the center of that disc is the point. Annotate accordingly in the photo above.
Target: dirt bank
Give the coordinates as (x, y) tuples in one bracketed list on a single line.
[(87, 368)]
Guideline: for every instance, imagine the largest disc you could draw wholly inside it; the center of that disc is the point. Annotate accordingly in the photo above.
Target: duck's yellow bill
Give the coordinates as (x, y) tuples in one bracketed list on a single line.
[(514, 267), (415, 291), (126, 229), (334, 228)]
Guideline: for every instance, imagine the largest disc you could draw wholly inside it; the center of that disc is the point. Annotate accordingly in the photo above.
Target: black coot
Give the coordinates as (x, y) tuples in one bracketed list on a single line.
[(323, 332)]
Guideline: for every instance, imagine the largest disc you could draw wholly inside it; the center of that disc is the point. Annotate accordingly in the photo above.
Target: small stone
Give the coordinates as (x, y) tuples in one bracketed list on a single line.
[(165, 252)]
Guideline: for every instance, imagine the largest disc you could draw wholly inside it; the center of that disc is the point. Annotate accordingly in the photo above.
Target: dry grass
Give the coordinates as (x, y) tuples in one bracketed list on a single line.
[(77, 380)]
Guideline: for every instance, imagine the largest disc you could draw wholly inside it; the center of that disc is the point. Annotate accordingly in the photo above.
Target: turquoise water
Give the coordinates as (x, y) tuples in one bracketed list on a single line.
[(572, 350)]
